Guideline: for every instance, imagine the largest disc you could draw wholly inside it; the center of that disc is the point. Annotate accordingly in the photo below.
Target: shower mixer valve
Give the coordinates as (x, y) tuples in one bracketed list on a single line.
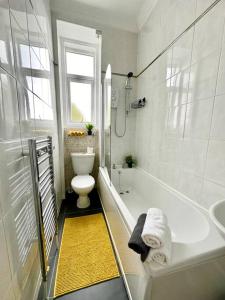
[(138, 103)]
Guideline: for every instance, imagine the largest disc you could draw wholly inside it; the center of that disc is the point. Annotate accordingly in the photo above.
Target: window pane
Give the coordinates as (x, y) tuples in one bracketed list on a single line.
[(35, 59), (41, 110), (3, 54), (29, 82), (41, 87), (39, 57), (25, 56), (79, 64), (80, 95), (45, 58)]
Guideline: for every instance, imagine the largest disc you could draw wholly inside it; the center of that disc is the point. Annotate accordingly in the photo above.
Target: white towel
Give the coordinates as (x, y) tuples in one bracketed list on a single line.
[(154, 233), (162, 255)]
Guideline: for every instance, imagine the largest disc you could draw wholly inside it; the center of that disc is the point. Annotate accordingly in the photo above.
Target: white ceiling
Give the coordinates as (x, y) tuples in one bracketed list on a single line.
[(125, 14)]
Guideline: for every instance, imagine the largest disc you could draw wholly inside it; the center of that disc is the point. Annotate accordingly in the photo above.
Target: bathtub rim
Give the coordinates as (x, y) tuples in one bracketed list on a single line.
[(170, 189), (198, 210), (188, 262)]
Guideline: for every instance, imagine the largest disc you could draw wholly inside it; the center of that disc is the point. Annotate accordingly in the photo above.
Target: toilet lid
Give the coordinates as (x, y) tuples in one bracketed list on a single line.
[(82, 181)]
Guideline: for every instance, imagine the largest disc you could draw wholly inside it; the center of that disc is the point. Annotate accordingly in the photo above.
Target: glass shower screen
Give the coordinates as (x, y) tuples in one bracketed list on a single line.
[(106, 111)]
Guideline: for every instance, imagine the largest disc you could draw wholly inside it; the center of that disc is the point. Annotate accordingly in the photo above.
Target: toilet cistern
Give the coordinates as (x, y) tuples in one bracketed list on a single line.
[(83, 183)]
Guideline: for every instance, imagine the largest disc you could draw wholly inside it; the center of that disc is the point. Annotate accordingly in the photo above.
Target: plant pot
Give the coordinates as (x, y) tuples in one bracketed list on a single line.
[(89, 132), (130, 165)]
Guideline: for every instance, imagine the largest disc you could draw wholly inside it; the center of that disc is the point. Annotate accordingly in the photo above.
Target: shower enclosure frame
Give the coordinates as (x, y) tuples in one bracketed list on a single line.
[(106, 116)]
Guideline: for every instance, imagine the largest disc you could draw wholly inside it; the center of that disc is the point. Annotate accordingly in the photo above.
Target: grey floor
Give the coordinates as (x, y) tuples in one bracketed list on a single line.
[(108, 290)]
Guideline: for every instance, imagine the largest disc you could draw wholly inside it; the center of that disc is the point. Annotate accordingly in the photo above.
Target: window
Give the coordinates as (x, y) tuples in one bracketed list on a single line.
[(79, 64), (80, 97), (80, 70)]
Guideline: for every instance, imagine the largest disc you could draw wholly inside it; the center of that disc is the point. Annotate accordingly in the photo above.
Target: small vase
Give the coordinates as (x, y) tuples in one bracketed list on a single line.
[(130, 165), (89, 132)]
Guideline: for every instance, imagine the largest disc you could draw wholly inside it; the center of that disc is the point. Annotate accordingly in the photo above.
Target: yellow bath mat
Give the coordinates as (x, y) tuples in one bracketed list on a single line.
[(86, 256)]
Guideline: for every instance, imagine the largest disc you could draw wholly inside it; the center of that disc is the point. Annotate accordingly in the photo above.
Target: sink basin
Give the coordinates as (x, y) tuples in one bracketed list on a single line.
[(217, 215)]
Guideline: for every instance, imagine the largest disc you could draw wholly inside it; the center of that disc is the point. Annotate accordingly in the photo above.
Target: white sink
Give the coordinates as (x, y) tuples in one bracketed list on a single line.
[(217, 215)]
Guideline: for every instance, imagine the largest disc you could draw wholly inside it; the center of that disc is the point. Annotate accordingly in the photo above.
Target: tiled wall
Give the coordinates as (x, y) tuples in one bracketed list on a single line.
[(181, 137), (79, 144), (26, 100)]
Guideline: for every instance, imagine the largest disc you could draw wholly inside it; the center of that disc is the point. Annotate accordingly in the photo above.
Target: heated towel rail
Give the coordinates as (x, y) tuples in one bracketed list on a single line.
[(42, 170)]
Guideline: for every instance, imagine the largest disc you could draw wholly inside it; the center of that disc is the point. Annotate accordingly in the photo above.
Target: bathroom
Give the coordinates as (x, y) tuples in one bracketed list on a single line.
[(112, 144)]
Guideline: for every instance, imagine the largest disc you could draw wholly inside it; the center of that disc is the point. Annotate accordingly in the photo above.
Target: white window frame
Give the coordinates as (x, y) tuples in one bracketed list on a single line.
[(82, 48), (80, 79)]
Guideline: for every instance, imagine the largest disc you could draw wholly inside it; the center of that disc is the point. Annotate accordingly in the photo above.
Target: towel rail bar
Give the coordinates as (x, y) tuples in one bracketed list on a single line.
[(47, 179), (40, 151), (43, 159), (44, 171), (43, 147), (46, 191), (42, 141), (47, 211), (47, 206)]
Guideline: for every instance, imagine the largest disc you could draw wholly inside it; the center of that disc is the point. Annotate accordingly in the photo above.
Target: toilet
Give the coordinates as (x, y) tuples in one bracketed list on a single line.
[(83, 183)]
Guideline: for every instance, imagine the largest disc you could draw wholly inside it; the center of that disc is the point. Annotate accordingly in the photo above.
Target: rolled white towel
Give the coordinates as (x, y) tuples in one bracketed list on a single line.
[(154, 231), (162, 255)]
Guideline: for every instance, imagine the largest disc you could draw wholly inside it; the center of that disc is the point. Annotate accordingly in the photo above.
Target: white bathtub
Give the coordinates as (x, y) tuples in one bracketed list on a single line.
[(197, 246)]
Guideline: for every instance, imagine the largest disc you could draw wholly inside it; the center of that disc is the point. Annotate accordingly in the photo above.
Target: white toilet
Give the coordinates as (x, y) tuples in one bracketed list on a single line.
[(83, 183)]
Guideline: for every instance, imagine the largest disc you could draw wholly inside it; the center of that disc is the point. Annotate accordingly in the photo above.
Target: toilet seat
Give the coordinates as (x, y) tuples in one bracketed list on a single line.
[(82, 182)]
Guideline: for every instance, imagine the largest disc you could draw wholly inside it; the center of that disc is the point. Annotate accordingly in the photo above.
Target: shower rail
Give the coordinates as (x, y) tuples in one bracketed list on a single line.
[(42, 172)]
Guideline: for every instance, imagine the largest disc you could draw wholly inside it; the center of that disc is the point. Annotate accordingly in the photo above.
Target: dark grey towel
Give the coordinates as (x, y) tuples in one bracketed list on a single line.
[(136, 243)]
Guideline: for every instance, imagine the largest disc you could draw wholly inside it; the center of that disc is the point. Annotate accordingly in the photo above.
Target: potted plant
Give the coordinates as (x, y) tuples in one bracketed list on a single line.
[(89, 128), (130, 161)]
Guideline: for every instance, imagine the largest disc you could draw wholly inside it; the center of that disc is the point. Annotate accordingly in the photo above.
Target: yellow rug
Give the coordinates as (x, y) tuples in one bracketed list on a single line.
[(86, 256)]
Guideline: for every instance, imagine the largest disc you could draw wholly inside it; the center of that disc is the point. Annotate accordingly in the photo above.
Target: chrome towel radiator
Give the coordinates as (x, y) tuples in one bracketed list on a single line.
[(42, 170)]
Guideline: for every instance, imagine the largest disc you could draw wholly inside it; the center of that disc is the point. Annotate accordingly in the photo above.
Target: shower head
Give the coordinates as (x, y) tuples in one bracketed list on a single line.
[(128, 85)]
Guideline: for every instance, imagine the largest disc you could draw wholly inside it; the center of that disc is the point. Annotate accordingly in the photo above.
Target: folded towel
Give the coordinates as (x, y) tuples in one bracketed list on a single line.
[(154, 231), (136, 243), (162, 255)]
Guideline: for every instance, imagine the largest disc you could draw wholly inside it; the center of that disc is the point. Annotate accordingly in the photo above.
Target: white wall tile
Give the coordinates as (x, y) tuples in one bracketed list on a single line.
[(184, 15), (202, 5), (190, 185), (215, 167), (178, 88), (198, 119), (5, 273), (182, 52), (220, 89), (208, 33), (211, 193), (193, 156), (175, 121), (203, 77), (218, 120)]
